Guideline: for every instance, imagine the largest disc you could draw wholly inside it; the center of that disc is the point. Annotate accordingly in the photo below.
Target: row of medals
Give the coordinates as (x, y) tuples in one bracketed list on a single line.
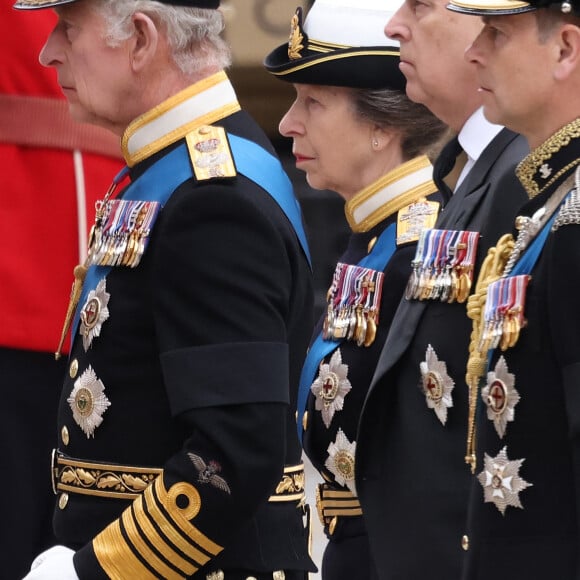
[(443, 266), (353, 305), (121, 232)]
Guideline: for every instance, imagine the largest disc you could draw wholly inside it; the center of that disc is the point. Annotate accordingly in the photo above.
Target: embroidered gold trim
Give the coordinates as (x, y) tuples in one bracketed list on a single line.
[(171, 533), (140, 545), (291, 486), (335, 57), (331, 503), (116, 558), (323, 46), (167, 139), (101, 479), (530, 165), (168, 501), (296, 38), (394, 205), (143, 522)]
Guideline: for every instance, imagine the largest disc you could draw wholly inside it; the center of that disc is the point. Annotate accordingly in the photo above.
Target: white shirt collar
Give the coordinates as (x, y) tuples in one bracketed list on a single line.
[(475, 135)]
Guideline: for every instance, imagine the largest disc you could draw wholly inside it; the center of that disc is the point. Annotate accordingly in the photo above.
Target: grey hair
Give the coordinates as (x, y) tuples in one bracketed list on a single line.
[(421, 131), (193, 34)]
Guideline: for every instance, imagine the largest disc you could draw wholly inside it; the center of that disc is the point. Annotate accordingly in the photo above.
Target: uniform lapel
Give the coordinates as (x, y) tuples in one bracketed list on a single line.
[(458, 214)]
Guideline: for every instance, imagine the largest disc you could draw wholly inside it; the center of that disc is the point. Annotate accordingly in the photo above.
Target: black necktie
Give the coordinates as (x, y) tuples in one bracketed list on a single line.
[(443, 166)]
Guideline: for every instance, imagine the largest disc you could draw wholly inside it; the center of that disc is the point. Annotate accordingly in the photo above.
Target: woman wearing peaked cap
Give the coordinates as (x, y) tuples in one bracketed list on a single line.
[(354, 131)]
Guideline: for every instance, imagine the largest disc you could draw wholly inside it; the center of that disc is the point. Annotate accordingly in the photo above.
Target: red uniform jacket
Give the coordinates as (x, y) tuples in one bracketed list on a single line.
[(52, 171)]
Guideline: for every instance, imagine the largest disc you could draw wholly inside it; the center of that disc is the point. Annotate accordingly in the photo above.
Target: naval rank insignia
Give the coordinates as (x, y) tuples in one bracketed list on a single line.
[(94, 313), (210, 153), (413, 219), (437, 384), (500, 396), (501, 481), (331, 386), (88, 402), (340, 460)]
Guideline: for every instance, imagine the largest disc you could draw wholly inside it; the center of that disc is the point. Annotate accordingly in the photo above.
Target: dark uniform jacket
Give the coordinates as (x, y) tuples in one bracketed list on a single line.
[(199, 359), (538, 534), (348, 555), (411, 476)]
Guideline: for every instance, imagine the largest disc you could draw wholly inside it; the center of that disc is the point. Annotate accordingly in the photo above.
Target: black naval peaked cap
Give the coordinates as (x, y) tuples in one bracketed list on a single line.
[(38, 4), (340, 43), (506, 7)]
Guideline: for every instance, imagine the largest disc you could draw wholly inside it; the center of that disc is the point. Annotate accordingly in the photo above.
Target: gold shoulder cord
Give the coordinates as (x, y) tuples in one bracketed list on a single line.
[(491, 270), (80, 270)]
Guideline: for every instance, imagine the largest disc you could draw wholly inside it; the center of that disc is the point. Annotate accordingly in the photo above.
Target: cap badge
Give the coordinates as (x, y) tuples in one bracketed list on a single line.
[(295, 43)]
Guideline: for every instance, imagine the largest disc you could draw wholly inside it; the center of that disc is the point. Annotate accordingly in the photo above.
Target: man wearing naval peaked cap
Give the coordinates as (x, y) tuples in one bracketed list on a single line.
[(523, 519), (177, 454)]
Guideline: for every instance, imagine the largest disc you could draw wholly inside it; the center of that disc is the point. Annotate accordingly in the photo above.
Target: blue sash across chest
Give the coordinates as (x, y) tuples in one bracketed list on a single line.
[(160, 180), (377, 259)]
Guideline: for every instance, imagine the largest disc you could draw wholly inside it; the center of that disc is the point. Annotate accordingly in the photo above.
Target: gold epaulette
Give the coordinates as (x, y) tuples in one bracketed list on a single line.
[(210, 153)]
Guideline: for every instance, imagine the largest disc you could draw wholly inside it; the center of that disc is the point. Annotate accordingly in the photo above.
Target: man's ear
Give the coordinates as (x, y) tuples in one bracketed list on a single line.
[(145, 41), (569, 51)]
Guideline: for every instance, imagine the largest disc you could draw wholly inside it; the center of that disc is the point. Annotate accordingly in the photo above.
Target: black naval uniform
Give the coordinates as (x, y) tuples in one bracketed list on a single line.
[(199, 358), (411, 477), (347, 554), (538, 534)]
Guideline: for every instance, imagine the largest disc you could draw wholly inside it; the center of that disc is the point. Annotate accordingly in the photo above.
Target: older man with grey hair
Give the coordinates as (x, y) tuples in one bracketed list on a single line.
[(177, 454)]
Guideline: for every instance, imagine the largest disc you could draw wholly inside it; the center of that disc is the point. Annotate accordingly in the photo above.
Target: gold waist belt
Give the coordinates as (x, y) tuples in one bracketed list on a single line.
[(128, 482), (333, 503)]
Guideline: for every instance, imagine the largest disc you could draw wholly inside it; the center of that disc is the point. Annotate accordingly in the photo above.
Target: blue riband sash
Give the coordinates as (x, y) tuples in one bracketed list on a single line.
[(160, 180), (377, 259)]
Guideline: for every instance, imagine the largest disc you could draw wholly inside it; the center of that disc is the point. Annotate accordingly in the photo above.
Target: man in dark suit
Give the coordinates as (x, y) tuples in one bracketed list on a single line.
[(410, 470), (177, 452), (524, 517)]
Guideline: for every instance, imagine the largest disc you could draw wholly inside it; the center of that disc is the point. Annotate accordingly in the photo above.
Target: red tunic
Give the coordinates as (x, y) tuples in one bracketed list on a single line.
[(44, 201)]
